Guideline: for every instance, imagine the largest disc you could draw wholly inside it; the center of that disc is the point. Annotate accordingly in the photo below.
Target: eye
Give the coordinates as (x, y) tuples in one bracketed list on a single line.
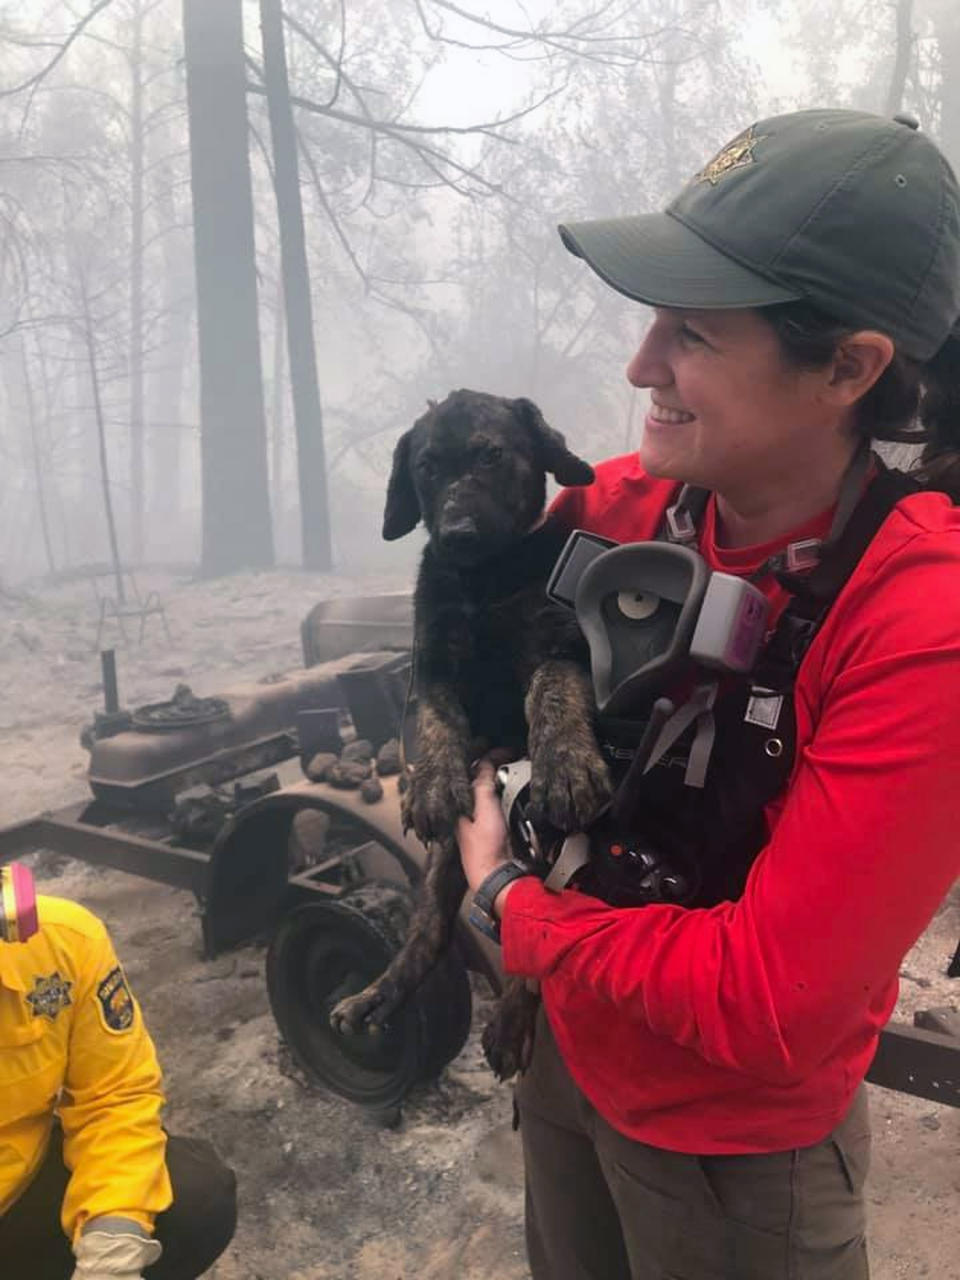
[(690, 336), (490, 455), (426, 466), (637, 605)]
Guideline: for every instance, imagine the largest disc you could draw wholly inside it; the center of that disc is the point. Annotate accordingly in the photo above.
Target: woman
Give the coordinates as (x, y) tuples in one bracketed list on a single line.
[(695, 1108)]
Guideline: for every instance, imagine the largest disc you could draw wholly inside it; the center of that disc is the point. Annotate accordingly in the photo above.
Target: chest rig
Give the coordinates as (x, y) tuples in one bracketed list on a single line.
[(694, 775)]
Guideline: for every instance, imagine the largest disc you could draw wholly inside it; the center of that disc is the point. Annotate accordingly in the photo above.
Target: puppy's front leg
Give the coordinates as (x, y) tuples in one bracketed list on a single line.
[(431, 928), (570, 781)]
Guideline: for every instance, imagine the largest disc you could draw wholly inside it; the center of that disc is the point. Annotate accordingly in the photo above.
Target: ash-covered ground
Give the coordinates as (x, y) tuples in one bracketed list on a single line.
[(324, 1194)]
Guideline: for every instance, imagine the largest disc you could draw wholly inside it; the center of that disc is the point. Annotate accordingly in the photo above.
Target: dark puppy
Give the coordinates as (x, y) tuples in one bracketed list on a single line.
[(496, 663)]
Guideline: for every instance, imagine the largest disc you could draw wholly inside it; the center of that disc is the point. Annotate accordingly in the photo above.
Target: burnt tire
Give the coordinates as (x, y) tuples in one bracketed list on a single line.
[(326, 950)]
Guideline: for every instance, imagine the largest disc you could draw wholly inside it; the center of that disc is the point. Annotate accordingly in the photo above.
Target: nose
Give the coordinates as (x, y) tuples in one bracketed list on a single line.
[(460, 536), (649, 366)]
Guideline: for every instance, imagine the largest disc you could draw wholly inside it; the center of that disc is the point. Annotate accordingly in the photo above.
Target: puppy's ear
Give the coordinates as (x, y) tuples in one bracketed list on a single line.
[(402, 510), (564, 466)]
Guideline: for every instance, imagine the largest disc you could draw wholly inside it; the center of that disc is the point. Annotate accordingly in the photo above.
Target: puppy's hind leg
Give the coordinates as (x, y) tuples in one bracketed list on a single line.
[(429, 935), (507, 1038)]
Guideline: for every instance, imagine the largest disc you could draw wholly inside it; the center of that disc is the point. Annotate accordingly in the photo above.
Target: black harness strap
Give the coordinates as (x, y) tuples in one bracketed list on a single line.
[(714, 834), (815, 592)]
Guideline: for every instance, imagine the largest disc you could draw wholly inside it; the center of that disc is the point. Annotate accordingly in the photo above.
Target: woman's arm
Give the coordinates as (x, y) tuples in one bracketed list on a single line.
[(866, 847)]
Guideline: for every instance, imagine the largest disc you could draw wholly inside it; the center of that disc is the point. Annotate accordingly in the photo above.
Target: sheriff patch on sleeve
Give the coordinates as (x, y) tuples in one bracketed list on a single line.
[(116, 1002)]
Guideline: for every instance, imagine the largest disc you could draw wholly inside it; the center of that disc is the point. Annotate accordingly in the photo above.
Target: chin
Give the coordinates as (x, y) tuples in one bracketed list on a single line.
[(665, 464)]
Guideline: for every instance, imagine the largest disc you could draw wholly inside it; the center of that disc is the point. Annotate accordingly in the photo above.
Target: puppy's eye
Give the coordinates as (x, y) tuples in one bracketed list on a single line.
[(637, 605), (426, 466), (490, 455)]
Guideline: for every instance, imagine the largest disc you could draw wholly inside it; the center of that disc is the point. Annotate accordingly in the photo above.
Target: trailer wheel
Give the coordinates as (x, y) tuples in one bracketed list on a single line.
[(323, 951)]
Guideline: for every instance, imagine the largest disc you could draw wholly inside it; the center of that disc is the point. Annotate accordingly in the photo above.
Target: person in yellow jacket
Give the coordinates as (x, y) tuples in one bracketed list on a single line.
[(81, 1137)]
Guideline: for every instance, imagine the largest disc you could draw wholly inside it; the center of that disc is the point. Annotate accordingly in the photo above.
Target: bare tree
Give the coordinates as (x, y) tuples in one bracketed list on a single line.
[(304, 386), (904, 53), (236, 506)]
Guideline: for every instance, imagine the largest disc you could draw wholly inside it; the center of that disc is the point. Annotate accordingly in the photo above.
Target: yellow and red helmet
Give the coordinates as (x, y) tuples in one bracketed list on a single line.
[(18, 903)]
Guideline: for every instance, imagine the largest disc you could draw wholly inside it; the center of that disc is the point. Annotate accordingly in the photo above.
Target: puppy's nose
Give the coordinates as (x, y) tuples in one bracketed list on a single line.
[(459, 535)]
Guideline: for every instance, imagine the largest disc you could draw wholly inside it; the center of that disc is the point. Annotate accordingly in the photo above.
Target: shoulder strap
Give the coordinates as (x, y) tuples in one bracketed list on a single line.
[(814, 592)]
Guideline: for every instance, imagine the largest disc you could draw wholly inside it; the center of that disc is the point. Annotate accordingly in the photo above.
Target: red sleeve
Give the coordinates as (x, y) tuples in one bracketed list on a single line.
[(866, 846)]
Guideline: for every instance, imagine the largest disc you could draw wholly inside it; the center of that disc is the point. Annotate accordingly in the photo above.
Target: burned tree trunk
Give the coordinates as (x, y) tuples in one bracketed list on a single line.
[(946, 24), (89, 342), (901, 63), (136, 283), (236, 506), (304, 390)]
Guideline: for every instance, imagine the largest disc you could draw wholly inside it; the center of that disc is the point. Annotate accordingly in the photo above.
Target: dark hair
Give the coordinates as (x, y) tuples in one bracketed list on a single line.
[(910, 403)]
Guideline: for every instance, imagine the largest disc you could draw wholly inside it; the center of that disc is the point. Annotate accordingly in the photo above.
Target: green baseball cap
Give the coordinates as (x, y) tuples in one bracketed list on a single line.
[(855, 213)]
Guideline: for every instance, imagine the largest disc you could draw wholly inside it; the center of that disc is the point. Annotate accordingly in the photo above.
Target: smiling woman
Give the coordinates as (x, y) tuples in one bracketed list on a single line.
[(695, 1107)]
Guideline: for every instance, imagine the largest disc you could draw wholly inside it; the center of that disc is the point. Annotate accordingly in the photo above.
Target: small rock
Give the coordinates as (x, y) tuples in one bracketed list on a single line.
[(930, 1122), (371, 790), (348, 776), (907, 976), (359, 749), (388, 759), (943, 1020), (318, 765)]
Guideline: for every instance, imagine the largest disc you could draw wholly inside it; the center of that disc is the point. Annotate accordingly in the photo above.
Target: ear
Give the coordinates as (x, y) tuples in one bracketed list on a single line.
[(858, 363), (564, 466), (402, 510)]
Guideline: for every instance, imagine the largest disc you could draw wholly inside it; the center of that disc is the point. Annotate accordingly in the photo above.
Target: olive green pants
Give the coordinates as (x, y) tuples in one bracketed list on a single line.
[(602, 1207)]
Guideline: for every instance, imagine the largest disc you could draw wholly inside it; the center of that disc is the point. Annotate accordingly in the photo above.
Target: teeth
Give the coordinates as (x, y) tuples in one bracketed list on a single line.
[(660, 413)]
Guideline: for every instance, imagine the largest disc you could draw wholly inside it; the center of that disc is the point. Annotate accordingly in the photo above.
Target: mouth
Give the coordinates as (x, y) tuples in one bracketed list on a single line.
[(664, 415)]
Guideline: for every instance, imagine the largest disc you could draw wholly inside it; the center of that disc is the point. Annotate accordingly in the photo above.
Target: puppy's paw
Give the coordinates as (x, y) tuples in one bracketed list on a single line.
[(568, 789), (440, 792), (368, 1010)]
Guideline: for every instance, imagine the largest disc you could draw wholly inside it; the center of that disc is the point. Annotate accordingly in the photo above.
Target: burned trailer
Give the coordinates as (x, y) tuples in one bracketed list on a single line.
[(209, 794)]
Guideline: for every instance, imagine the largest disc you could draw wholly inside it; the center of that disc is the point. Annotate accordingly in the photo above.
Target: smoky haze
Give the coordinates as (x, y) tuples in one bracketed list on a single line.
[(400, 166)]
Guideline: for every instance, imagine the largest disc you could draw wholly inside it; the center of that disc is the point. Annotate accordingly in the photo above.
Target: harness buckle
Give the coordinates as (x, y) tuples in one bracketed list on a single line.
[(804, 554), (680, 524)]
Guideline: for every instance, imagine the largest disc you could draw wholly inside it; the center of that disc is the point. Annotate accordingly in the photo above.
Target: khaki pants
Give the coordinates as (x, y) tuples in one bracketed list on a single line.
[(602, 1207)]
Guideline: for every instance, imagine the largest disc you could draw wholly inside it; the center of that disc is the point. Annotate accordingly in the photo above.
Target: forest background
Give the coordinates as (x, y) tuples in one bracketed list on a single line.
[(242, 243)]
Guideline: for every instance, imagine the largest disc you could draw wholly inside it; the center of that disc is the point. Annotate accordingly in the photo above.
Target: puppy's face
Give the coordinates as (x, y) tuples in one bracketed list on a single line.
[(473, 468)]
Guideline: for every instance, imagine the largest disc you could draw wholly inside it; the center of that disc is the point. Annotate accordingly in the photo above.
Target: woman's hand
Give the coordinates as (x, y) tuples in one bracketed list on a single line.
[(484, 841)]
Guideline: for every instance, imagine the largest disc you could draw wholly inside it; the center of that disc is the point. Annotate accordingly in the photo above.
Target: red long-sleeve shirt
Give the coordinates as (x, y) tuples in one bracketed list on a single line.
[(747, 1027)]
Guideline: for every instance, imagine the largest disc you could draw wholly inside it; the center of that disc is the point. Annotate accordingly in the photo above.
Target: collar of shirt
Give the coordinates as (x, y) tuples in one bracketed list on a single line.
[(10, 975)]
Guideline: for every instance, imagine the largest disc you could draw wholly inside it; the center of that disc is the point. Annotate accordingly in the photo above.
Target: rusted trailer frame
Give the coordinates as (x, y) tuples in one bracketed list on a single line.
[(244, 888)]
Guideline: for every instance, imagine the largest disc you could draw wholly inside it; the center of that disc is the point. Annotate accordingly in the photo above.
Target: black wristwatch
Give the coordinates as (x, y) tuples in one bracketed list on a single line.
[(481, 908)]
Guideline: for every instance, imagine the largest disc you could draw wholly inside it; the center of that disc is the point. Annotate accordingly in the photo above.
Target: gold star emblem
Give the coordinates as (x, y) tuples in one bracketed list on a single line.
[(735, 155), (49, 996)]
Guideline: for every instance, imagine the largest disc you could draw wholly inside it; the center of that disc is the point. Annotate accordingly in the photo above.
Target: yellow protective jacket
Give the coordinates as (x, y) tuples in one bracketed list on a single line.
[(73, 1044)]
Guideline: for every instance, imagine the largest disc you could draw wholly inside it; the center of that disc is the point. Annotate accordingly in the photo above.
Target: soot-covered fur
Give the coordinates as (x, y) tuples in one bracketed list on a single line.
[(496, 664)]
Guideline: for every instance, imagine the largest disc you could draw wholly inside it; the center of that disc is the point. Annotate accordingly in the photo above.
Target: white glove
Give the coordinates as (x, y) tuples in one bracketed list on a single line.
[(114, 1255)]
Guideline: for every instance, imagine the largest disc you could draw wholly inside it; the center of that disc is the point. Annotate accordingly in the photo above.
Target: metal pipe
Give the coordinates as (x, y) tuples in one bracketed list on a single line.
[(108, 666)]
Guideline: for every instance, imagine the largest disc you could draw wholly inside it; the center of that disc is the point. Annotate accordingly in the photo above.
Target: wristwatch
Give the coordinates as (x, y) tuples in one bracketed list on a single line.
[(481, 908)]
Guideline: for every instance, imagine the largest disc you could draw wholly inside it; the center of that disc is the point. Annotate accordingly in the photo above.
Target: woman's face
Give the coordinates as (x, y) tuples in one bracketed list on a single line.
[(726, 410)]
